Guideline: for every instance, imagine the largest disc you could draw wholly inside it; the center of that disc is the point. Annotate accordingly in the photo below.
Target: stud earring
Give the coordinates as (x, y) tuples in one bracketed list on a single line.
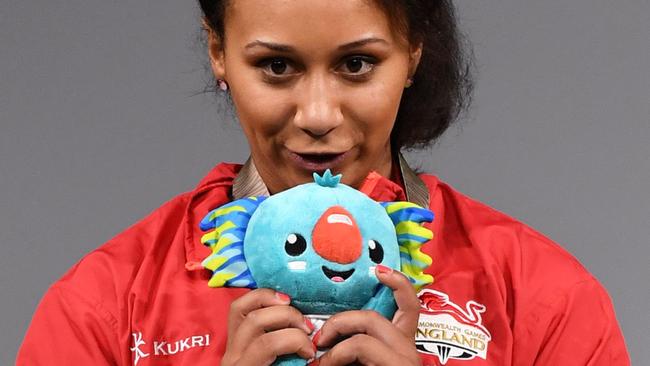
[(408, 83), (223, 85)]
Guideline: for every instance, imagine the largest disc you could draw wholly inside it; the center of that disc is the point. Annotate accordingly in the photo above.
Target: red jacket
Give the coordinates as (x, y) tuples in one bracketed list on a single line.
[(503, 294)]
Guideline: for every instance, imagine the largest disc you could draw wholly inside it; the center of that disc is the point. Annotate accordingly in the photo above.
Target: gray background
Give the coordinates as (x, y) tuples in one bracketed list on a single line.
[(99, 126)]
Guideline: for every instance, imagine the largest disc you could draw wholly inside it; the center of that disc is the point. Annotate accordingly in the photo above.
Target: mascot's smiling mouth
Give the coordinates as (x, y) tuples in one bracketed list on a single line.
[(337, 276)]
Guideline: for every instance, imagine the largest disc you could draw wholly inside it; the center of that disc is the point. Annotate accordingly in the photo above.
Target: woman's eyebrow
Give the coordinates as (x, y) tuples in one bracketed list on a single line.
[(270, 45), (286, 48), (362, 42)]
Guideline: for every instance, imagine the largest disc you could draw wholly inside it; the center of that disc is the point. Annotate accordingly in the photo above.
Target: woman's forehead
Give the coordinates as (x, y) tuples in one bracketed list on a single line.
[(304, 23)]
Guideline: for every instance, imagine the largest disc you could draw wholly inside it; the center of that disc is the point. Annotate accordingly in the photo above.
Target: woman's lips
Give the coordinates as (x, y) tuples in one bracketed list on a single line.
[(317, 162)]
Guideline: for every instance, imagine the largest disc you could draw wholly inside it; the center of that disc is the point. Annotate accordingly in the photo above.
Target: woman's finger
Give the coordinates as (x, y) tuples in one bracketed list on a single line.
[(256, 299), (363, 349), (269, 319), (350, 323), (408, 305), (264, 349)]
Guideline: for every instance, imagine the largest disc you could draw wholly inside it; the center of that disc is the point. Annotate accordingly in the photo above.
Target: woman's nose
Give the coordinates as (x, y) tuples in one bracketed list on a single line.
[(318, 111)]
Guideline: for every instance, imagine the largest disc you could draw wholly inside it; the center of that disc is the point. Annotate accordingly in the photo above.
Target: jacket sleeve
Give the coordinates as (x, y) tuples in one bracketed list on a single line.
[(69, 329), (576, 329)]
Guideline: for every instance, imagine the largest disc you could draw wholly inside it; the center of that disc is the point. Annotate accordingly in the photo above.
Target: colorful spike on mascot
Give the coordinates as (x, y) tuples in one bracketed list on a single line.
[(319, 243)]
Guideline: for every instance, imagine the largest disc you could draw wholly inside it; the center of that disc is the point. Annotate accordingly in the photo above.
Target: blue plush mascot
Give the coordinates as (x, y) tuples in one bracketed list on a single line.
[(319, 243)]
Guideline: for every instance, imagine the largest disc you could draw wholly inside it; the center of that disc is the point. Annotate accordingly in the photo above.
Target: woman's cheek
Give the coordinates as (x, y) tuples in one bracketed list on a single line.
[(376, 109), (261, 112)]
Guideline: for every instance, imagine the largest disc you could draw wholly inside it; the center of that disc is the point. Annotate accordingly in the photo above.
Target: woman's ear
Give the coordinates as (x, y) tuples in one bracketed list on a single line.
[(415, 53), (215, 51)]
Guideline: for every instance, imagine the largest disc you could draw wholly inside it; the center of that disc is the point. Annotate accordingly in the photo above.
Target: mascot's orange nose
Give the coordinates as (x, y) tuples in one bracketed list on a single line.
[(336, 236)]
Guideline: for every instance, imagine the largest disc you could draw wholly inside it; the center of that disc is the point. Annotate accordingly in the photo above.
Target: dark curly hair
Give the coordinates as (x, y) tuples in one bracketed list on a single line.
[(442, 86)]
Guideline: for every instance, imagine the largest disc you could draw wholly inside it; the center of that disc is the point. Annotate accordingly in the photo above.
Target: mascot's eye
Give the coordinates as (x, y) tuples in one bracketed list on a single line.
[(295, 244), (376, 251)]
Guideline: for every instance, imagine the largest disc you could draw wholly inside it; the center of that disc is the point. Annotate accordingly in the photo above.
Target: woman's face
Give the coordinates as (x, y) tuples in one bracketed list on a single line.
[(316, 84)]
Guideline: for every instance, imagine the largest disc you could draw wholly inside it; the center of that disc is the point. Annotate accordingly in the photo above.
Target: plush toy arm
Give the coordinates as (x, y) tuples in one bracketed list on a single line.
[(226, 228), (383, 302)]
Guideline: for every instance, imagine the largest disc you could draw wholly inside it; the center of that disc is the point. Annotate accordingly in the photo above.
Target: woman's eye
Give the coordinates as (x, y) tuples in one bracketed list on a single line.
[(295, 245), (359, 65), (376, 251), (275, 67), (278, 66)]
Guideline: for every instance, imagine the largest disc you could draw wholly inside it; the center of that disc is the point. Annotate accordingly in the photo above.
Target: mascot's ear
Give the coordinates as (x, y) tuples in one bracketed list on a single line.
[(408, 219), (227, 225)]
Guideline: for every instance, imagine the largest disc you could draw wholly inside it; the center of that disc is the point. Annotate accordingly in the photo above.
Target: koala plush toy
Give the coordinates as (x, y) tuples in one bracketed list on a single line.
[(319, 243)]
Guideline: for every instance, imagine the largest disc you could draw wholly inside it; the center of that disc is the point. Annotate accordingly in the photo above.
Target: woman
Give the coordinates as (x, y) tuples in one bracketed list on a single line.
[(343, 85)]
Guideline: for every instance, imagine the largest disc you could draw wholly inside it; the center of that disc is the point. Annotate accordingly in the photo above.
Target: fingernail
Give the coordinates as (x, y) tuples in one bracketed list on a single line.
[(310, 325), (316, 338), (283, 297), (383, 269)]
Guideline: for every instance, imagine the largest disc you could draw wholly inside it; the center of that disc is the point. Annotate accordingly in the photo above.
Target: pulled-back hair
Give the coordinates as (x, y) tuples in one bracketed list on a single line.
[(442, 84)]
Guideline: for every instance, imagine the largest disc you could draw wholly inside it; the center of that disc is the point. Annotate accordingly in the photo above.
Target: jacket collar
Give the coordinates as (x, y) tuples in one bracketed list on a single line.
[(249, 183)]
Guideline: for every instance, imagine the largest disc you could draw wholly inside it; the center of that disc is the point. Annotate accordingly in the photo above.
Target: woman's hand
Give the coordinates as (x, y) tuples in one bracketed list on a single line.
[(374, 340), (262, 326)]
